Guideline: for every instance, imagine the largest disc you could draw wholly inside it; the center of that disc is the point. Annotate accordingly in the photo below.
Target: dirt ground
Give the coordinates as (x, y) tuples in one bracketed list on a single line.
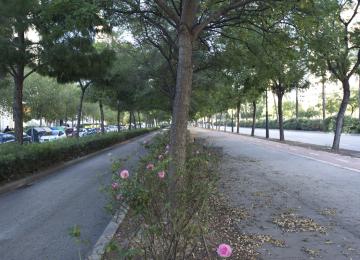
[(275, 211)]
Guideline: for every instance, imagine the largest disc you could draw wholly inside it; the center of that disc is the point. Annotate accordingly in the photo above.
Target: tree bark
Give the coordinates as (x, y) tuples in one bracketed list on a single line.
[(225, 122), (79, 115), (323, 104), (266, 115), (118, 117), (232, 121), (297, 105), (253, 119), (359, 98), (101, 116), (280, 117), (139, 119), (130, 114), (238, 117), (18, 105), (181, 102), (341, 114), (276, 109)]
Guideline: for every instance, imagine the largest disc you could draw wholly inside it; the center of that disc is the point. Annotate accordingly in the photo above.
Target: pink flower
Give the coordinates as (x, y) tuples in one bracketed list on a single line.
[(161, 174), (161, 157), (115, 185), (167, 147), (150, 166), (224, 250), (118, 197), (124, 174)]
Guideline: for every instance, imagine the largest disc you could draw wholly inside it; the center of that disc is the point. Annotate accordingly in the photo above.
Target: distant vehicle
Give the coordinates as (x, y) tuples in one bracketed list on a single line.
[(37, 132), (26, 137), (111, 128), (6, 138)]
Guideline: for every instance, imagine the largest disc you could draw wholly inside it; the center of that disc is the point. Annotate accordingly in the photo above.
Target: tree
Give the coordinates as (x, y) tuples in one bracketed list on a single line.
[(185, 21), (53, 23), (333, 43)]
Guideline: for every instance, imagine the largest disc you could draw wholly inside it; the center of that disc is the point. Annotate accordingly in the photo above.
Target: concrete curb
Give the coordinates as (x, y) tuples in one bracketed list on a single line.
[(108, 234), (28, 180)]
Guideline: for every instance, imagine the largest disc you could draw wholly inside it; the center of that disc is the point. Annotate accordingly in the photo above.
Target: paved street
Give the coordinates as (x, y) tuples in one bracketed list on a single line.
[(348, 141), (268, 178), (34, 221)]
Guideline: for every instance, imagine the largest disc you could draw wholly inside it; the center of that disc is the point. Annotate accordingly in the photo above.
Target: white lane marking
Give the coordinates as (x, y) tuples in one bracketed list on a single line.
[(341, 160), (313, 153), (326, 162)]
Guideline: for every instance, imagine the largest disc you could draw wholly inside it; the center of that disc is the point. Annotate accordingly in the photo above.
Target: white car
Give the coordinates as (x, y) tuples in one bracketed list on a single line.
[(55, 135)]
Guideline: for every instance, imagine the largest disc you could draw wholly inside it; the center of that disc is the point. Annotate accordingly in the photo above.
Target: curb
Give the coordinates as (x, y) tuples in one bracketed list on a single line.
[(28, 180), (108, 234)]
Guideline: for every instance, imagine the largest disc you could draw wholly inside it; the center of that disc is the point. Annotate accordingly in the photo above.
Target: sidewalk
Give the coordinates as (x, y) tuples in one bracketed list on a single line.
[(298, 205)]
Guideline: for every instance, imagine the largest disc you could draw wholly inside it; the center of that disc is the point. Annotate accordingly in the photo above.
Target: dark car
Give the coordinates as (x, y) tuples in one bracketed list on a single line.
[(6, 138), (26, 138)]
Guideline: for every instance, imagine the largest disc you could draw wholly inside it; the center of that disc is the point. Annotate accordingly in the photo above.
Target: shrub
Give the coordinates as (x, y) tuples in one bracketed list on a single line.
[(17, 161), (165, 232), (351, 125)]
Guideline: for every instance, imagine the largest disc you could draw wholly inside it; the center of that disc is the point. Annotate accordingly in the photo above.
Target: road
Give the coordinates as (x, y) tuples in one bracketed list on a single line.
[(268, 178), (34, 221), (348, 141)]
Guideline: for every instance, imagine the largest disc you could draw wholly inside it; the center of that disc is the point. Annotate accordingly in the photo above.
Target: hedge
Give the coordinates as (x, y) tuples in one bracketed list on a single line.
[(351, 125), (17, 161)]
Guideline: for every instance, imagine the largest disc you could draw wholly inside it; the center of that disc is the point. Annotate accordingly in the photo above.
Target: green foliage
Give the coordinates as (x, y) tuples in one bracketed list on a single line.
[(147, 196), (20, 161)]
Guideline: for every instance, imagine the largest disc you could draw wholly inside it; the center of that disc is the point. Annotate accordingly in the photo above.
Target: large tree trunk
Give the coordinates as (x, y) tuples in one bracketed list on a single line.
[(118, 117), (130, 114), (134, 119), (79, 115), (359, 98), (238, 117), (266, 115), (232, 121), (323, 105), (181, 102), (139, 119), (276, 109), (102, 119), (253, 119), (18, 105), (341, 114), (281, 119), (297, 105)]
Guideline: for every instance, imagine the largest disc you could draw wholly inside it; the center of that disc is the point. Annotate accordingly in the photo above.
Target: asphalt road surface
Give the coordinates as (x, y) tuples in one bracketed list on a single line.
[(348, 141), (35, 221), (268, 178)]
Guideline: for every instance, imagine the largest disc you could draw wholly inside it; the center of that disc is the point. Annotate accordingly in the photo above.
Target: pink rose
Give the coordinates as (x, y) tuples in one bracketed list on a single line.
[(224, 250), (161, 174), (161, 157), (115, 185), (150, 166), (124, 174)]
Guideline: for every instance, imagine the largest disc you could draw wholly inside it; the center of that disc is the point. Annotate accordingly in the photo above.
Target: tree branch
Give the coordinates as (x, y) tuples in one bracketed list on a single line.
[(172, 15), (200, 27)]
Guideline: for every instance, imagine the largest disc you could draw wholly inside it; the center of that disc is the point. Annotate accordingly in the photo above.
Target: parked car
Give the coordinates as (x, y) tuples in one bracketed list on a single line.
[(6, 138), (26, 137), (37, 132)]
